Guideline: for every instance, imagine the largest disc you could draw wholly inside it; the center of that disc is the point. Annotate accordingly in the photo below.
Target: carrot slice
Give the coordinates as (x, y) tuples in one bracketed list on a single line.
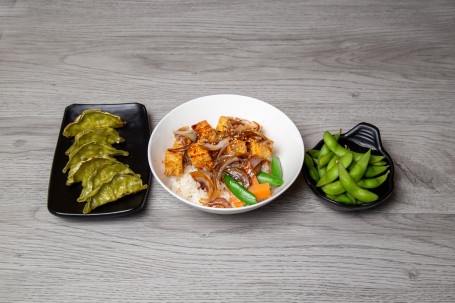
[(261, 191), (254, 180), (236, 201)]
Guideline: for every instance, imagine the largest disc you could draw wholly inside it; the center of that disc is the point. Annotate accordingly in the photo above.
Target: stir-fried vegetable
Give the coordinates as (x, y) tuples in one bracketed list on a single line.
[(233, 156), (239, 191)]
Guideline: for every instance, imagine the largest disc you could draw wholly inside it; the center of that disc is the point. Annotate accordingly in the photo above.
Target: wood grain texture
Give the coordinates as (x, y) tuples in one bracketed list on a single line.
[(326, 64)]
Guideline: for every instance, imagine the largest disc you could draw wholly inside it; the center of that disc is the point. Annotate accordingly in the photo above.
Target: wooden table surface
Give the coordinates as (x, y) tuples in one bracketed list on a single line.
[(326, 64)]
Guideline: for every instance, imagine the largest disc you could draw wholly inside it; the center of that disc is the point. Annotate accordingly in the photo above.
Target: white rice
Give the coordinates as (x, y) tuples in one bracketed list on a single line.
[(187, 188)]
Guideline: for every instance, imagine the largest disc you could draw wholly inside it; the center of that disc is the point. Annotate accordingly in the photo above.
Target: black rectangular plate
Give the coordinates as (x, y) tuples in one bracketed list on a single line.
[(62, 199)]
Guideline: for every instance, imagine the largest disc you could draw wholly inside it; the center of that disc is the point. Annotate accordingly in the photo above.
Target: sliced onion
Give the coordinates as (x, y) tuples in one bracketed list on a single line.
[(214, 145), (251, 133), (221, 163), (180, 149), (236, 122), (188, 134), (205, 181), (219, 203), (253, 165), (239, 175)]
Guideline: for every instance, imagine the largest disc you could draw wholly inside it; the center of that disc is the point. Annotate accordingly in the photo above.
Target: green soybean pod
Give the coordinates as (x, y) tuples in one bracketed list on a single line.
[(334, 188), (325, 149), (350, 186), (376, 159), (322, 171), (340, 151), (373, 171), (360, 167), (343, 198), (312, 171), (333, 145), (332, 174), (380, 163), (332, 162), (324, 160), (373, 182), (314, 153), (352, 198)]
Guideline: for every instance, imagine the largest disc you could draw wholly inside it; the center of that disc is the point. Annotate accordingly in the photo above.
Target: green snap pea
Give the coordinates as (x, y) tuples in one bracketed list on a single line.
[(343, 198), (360, 167), (312, 171), (266, 178), (373, 182), (350, 186), (277, 171), (239, 191), (373, 171), (332, 174)]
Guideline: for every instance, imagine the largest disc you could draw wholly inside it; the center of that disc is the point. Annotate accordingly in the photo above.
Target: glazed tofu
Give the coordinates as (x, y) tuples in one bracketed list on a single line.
[(239, 146), (200, 158), (222, 122), (173, 162), (205, 131), (260, 149)]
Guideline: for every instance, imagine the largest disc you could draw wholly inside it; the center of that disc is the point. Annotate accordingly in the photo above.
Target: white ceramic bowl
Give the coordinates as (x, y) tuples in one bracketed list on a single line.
[(288, 143)]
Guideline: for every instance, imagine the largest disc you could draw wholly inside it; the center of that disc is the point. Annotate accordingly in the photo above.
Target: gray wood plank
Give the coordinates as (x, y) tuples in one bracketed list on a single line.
[(326, 64)]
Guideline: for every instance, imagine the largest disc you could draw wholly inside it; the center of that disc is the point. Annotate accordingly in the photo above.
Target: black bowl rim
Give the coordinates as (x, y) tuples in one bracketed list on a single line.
[(380, 148)]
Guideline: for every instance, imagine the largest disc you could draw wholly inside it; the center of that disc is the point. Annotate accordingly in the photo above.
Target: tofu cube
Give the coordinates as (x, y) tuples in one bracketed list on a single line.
[(222, 123), (260, 149), (205, 131), (173, 162), (200, 158), (239, 147)]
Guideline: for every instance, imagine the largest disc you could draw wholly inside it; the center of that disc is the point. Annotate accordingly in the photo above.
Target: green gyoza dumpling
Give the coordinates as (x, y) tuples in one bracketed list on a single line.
[(83, 169), (105, 135), (92, 118), (89, 150), (100, 175), (120, 186)]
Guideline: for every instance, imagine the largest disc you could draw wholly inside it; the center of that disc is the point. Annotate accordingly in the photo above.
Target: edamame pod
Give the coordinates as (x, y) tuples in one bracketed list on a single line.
[(373, 171), (332, 174), (350, 186), (322, 171), (312, 171), (373, 182), (314, 153), (325, 149), (343, 198), (334, 188), (322, 161), (360, 167), (340, 151), (332, 162), (351, 197)]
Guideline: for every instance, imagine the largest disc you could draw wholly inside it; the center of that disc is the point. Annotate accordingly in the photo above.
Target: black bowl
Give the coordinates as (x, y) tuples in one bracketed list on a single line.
[(361, 138)]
